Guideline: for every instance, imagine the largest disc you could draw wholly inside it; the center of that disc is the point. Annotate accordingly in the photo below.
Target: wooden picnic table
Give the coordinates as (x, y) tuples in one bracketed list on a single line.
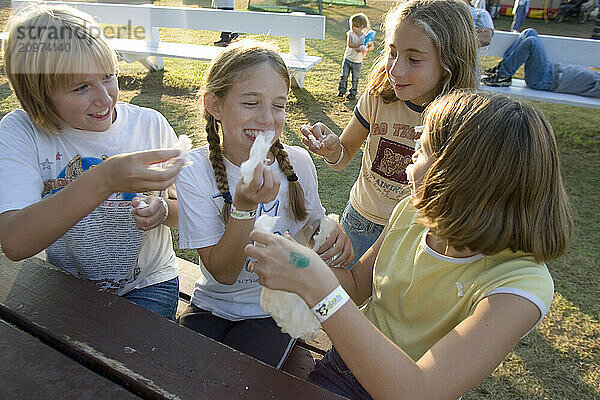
[(62, 337)]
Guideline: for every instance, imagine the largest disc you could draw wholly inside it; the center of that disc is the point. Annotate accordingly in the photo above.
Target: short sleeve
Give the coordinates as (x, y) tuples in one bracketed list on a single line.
[(19, 164), (364, 110), (200, 224)]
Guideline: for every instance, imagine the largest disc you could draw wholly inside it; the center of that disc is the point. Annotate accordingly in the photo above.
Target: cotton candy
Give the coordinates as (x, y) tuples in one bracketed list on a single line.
[(258, 153), (184, 145), (290, 311)]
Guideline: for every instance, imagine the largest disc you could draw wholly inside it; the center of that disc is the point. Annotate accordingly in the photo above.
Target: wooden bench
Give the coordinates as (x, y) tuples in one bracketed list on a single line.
[(303, 355), (61, 337), (560, 49), (140, 25)]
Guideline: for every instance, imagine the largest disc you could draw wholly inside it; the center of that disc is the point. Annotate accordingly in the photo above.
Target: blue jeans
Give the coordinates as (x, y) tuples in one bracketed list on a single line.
[(331, 373), (160, 298), (347, 67), (528, 49), (361, 232), (520, 15)]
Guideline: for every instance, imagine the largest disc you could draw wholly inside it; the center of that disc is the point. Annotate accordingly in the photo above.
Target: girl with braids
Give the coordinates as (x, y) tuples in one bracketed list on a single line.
[(245, 94)]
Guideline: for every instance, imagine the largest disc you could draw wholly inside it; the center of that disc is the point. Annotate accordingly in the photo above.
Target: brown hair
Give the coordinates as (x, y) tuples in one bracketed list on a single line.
[(223, 72), (65, 43), (360, 20), (495, 182), (449, 24)]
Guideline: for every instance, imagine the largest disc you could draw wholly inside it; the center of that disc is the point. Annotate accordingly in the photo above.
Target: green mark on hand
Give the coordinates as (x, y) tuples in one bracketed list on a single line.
[(298, 260)]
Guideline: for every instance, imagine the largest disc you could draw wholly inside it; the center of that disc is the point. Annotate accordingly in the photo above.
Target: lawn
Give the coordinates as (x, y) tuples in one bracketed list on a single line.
[(558, 360)]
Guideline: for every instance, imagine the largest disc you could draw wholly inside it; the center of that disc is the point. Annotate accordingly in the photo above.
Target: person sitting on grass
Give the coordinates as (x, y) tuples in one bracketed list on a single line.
[(74, 161), (540, 73), (458, 276)]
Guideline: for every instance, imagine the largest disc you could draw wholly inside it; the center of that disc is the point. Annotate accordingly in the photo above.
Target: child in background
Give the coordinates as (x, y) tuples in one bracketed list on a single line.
[(246, 92), (458, 277), (72, 164), (431, 49), (355, 54)]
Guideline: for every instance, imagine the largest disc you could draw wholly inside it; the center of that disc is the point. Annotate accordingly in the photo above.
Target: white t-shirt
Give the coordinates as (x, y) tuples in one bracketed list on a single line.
[(104, 247), (200, 225), (352, 54)]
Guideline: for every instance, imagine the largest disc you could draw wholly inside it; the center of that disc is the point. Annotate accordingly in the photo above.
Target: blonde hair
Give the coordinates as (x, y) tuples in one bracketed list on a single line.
[(495, 181), (449, 24), (224, 71), (360, 20), (48, 49)]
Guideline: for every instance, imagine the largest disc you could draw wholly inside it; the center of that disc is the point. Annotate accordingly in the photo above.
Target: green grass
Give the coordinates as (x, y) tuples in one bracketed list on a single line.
[(560, 359)]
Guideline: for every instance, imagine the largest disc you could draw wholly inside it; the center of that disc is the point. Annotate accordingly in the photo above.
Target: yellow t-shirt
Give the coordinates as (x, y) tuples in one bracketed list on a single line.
[(420, 295), (388, 150)]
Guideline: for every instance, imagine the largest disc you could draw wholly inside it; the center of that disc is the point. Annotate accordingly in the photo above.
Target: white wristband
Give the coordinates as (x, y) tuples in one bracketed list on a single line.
[(239, 214), (340, 158), (166, 206), (330, 304)]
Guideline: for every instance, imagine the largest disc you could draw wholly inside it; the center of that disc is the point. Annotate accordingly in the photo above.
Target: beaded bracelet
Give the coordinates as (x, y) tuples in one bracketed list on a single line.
[(330, 304), (239, 214)]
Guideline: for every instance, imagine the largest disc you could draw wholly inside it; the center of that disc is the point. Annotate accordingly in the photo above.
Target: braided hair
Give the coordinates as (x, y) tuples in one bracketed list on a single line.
[(221, 75)]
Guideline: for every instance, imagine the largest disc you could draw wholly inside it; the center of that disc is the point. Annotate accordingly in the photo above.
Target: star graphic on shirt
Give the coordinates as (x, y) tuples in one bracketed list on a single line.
[(46, 164), (58, 156)]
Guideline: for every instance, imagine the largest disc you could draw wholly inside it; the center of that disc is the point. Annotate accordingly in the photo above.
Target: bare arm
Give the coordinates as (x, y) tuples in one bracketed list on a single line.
[(456, 363), (226, 259), (28, 231), (358, 281), (351, 139), (459, 361)]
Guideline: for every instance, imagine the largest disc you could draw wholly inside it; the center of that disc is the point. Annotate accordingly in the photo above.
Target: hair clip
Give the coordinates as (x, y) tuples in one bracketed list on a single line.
[(227, 197), (292, 178)]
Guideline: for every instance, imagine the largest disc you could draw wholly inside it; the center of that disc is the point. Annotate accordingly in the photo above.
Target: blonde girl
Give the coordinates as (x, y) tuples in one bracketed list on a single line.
[(430, 49), (76, 160), (458, 276), (245, 96)]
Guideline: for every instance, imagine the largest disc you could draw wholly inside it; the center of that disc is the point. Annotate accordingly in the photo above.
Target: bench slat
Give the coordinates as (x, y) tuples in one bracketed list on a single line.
[(33, 370), (143, 49), (519, 89), (148, 15)]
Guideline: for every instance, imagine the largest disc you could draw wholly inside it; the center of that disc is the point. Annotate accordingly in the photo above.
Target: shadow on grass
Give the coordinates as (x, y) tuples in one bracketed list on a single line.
[(312, 109), (151, 87)]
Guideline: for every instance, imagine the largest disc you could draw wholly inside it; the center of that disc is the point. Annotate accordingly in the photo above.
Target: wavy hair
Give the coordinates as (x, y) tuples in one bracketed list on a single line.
[(449, 24)]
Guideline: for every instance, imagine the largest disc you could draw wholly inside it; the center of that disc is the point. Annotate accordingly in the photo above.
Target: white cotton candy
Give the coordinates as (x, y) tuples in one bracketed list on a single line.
[(328, 224), (142, 204), (314, 141), (258, 153), (184, 145), (288, 310), (290, 313)]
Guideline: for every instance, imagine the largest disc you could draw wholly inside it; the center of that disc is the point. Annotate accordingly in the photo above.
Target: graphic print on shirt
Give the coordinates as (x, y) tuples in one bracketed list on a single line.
[(391, 160), (104, 245)]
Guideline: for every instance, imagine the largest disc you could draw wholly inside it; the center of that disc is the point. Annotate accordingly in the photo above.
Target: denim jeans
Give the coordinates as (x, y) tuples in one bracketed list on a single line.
[(528, 49), (331, 373), (520, 15), (361, 232), (347, 67), (160, 298)]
